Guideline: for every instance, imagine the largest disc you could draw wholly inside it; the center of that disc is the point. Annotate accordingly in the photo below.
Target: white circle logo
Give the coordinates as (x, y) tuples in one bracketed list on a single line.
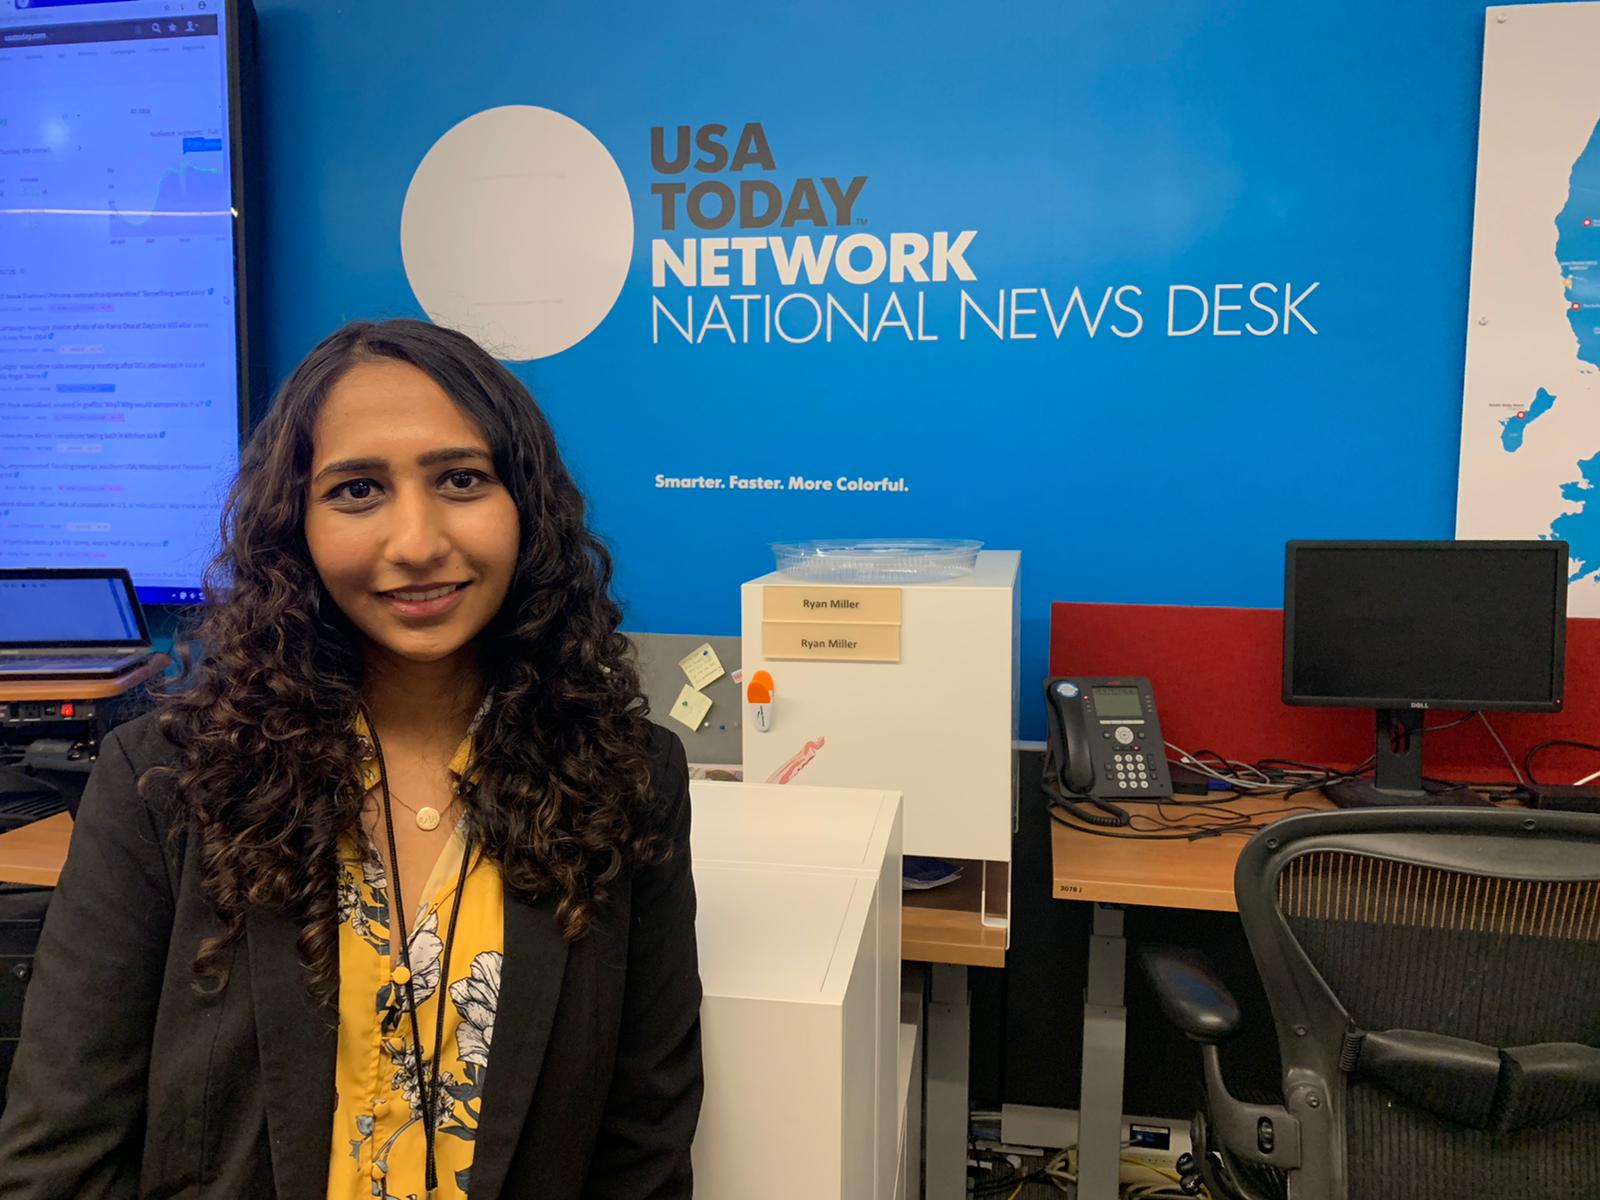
[(518, 231)]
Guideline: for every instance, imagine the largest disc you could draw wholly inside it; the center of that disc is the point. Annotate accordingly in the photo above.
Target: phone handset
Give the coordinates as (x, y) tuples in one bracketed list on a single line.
[(1068, 762)]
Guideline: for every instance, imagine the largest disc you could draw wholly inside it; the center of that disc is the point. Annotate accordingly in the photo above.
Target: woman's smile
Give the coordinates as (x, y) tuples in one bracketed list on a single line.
[(424, 603)]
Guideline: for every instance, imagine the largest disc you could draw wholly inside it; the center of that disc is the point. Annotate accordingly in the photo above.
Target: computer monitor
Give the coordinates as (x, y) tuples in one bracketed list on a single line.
[(124, 135), (1407, 627), (64, 608)]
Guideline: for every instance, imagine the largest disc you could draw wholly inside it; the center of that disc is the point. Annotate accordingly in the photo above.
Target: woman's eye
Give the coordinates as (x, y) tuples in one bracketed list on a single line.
[(353, 489), (463, 480)]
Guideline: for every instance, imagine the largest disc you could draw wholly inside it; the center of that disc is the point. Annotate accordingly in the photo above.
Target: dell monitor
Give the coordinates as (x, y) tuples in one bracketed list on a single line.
[(1405, 627)]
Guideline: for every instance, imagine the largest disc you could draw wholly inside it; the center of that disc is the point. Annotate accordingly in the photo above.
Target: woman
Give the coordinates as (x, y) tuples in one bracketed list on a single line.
[(392, 898)]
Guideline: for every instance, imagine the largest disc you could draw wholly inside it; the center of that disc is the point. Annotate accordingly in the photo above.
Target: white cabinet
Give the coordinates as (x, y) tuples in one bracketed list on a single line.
[(938, 725), (799, 936)]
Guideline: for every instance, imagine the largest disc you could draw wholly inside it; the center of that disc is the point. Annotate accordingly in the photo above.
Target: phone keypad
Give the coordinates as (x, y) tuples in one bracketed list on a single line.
[(1131, 770)]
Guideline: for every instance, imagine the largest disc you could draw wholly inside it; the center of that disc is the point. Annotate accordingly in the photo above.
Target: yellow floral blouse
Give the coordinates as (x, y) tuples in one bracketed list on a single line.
[(378, 1143)]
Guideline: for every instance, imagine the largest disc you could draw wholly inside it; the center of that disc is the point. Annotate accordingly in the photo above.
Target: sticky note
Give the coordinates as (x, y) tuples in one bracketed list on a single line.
[(701, 665), (691, 707)]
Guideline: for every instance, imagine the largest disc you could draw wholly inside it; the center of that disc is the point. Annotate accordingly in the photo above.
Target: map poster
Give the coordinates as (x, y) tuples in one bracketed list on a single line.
[(1530, 429)]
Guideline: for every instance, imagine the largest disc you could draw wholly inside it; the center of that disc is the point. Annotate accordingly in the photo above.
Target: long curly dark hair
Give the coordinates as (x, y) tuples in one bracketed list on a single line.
[(267, 776)]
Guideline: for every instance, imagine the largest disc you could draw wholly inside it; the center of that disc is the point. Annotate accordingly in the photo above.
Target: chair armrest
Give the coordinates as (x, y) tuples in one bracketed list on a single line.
[(1192, 997)]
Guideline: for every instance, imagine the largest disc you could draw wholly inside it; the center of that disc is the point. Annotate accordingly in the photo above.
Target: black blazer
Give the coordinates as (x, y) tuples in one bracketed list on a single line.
[(126, 1083)]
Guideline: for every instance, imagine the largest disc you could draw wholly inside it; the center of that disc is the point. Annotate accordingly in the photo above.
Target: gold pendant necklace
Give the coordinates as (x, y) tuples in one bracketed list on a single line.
[(427, 817)]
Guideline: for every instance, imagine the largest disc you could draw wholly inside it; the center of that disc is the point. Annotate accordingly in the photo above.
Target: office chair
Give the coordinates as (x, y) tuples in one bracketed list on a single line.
[(1434, 978)]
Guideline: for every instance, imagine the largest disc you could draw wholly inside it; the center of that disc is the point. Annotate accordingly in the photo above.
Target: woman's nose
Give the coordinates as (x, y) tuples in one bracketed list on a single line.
[(417, 536)]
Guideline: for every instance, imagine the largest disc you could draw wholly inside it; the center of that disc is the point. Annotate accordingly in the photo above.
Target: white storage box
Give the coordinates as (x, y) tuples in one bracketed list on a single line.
[(799, 932), (937, 725)]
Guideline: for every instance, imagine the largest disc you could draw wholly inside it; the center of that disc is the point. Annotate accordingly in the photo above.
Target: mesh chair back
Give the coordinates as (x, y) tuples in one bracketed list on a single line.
[(1475, 925)]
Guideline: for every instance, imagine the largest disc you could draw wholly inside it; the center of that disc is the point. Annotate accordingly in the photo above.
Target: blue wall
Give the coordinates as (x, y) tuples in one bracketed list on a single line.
[(1140, 144)]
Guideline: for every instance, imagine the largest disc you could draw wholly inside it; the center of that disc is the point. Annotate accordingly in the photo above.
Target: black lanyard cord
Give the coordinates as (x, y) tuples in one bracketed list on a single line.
[(428, 1093)]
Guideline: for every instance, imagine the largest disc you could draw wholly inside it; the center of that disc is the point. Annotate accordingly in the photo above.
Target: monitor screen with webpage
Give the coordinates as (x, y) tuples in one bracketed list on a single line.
[(76, 607), (122, 390)]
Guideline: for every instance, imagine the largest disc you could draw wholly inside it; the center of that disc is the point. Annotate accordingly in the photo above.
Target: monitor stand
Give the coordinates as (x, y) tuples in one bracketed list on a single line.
[(1397, 776)]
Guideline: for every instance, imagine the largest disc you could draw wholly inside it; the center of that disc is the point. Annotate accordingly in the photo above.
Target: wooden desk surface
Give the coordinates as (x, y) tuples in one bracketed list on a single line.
[(82, 689), (1175, 874), (941, 925), (945, 924), (35, 853)]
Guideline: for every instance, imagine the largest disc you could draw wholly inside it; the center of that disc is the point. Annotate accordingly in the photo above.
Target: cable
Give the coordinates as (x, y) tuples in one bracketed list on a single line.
[(1079, 805), (1318, 776), (1061, 1171), (997, 1187), (999, 1183), (1527, 759), (1328, 773), (1515, 770), (1234, 765), (1210, 816), (1128, 834), (1287, 784), (1233, 821), (1194, 763)]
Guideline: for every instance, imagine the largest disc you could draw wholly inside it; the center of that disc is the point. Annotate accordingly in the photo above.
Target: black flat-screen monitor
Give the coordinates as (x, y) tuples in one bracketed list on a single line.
[(122, 216), (1404, 627)]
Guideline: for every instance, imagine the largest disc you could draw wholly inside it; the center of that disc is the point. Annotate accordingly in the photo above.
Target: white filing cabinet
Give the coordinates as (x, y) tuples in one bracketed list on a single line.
[(938, 725), (799, 933)]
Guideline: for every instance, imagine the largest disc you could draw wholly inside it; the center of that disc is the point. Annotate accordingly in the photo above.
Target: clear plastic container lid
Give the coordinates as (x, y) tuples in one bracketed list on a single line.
[(877, 560)]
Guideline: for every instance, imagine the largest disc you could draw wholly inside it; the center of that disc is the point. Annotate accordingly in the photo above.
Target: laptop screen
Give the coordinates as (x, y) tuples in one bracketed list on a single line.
[(66, 608)]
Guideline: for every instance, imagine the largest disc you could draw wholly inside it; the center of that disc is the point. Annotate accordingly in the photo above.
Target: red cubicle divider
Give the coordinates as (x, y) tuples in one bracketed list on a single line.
[(1217, 674)]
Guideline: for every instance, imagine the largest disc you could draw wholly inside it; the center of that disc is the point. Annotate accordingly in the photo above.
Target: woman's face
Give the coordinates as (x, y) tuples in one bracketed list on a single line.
[(414, 535)]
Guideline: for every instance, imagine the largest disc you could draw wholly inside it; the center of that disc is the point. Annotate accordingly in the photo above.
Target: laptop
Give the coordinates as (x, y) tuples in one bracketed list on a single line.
[(70, 623)]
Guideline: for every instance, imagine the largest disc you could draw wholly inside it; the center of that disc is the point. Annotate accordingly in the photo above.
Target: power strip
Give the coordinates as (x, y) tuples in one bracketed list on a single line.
[(1151, 1141)]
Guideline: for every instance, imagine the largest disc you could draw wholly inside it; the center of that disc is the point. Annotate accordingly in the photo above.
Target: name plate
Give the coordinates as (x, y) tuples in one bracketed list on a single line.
[(830, 641), (850, 606)]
